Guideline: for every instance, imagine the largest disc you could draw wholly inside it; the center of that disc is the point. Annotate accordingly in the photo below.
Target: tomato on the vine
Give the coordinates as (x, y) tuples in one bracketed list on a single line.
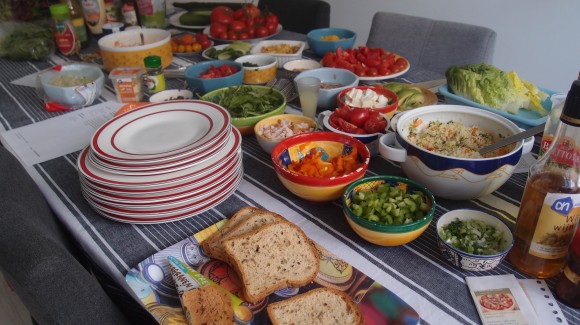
[(365, 61), (216, 29), (237, 26), (222, 15)]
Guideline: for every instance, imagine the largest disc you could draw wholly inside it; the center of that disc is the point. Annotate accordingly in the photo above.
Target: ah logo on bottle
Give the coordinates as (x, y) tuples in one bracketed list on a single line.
[(563, 206)]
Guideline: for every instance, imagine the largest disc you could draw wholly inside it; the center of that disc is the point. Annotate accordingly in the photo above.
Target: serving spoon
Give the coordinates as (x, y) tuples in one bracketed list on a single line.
[(511, 139)]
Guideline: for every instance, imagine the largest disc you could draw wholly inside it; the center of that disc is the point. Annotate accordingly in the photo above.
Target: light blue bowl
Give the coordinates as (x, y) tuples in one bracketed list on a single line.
[(202, 86), (320, 47), (75, 96), (327, 97)]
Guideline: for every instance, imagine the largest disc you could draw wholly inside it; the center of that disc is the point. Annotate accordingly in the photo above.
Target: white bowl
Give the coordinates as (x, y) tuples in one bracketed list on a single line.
[(301, 65), (75, 96), (467, 261), (282, 58), (171, 94), (453, 177)]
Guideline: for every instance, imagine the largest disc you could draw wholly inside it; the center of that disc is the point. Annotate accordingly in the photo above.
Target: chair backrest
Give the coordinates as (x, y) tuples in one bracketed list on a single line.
[(432, 44), (299, 16)]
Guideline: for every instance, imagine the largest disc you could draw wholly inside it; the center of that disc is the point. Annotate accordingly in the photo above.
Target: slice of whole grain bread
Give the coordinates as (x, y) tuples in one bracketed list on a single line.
[(322, 306), (245, 220), (208, 305), (275, 256)]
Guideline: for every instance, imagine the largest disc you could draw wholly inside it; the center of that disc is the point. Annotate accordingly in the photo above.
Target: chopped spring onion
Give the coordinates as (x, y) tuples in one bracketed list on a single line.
[(473, 236)]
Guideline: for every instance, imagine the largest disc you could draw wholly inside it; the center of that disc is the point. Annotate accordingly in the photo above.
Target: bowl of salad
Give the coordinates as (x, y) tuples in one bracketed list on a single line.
[(248, 104), (473, 240), (388, 210), (204, 77)]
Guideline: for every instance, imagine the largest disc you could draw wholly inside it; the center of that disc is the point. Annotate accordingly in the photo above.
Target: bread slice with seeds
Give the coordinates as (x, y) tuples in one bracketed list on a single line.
[(208, 305), (245, 220), (322, 306), (275, 256)]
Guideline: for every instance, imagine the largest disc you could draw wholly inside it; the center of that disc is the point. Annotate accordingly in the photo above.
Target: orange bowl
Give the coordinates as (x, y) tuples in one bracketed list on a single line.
[(388, 110)]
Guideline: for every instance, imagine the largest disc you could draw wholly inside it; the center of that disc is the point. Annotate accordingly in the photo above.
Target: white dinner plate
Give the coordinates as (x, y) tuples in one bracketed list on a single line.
[(174, 20), (394, 75), (179, 216), (160, 192), (160, 213), (161, 131), (159, 168), (251, 40), (183, 192), (169, 205), (97, 175)]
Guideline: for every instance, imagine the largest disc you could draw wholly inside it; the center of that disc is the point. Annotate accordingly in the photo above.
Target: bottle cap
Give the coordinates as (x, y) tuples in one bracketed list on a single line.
[(152, 62), (59, 9), (571, 112)]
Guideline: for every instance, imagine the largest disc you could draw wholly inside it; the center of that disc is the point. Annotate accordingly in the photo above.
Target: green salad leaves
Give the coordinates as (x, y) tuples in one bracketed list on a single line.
[(247, 101), (495, 88), (25, 41)]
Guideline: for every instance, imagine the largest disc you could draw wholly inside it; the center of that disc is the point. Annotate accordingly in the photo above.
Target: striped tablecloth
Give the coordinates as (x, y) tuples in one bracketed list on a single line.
[(416, 272)]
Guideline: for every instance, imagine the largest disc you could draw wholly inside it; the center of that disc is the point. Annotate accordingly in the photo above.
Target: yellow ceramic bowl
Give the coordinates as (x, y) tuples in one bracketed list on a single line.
[(123, 49), (267, 143), (385, 234), (317, 189), (263, 71)]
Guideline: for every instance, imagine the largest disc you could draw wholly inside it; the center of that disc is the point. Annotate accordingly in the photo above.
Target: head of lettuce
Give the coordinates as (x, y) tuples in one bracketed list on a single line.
[(492, 87)]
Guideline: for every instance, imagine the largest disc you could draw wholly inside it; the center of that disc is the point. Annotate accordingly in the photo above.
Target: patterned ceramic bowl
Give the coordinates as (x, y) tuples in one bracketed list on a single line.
[(317, 189), (453, 177), (267, 143), (385, 234), (467, 261)]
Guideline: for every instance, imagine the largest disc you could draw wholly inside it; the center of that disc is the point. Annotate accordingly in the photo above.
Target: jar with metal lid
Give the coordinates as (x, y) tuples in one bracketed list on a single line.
[(155, 79)]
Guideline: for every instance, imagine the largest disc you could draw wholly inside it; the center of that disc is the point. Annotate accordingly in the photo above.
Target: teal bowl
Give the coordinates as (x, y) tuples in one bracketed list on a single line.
[(320, 47), (201, 86), (386, 234)]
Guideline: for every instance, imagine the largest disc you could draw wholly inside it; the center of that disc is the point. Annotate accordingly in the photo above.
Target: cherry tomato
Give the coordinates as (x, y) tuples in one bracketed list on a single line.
[(271, 19), (205, 43), (375, 124), (232, 35), (250, 10), (271, 28), (237, 26), (243, 36), (216, 29), (223, 35), (222, 15), (262, 31)]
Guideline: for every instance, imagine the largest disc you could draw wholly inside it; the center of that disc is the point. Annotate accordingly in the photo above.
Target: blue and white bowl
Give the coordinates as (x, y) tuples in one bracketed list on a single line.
[(467, 261), (453, 177)]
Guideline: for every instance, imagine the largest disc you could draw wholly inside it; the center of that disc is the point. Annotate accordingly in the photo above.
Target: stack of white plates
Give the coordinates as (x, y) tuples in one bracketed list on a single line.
[(162, 162)]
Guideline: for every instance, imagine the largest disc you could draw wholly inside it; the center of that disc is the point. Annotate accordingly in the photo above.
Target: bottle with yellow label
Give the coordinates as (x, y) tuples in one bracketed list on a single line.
[(550, 207)]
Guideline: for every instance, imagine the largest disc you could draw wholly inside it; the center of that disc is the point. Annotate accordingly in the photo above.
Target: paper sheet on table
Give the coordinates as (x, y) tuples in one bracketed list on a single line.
[(59, 136), (544, 303)]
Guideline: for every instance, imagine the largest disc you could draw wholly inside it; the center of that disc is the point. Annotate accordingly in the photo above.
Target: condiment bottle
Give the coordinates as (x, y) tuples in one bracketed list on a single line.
[(95, 16), (568, 287), (65, 35), (550, 206), (129, 13), (78, 21), (155, 79)]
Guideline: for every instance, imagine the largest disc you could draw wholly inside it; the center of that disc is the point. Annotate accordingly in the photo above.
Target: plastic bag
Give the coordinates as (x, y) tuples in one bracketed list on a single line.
[(25, 41)]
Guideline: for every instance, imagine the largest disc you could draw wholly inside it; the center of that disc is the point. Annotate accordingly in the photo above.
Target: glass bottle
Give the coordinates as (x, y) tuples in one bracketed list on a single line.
[(155, 79), (65, 35), (550, 206), (568, 287), (129, 10), (78, 21), (95, 15)]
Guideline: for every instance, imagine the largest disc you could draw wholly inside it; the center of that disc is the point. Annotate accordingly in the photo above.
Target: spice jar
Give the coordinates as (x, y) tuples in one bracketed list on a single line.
[(155, 79)]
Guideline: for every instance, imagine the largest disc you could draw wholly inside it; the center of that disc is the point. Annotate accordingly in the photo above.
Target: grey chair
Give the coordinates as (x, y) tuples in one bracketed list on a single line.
[(299, 16), (38, 259), (430, 45)]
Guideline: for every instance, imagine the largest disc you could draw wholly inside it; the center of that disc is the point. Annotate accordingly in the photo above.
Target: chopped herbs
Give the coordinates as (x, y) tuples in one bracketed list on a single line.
[(473, 236)]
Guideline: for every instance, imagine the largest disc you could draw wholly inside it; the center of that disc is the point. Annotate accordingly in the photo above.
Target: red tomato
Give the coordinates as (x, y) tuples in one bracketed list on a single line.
[(262, 31), (216, 29), (271, 19), (222, 15), (205, 43), (223, 35), (221, 71), (237, 26), (375, 124), (250, 10), (350, 128), (243, 36), (271, 28), (232, 35), (357, 116)]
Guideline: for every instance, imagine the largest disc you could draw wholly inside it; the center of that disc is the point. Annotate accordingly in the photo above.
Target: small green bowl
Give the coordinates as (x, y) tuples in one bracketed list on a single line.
[(246, 124), (384, 234)]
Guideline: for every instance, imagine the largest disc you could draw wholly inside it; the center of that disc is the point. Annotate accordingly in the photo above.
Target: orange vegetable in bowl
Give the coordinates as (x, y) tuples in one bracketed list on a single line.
[(314, 166)]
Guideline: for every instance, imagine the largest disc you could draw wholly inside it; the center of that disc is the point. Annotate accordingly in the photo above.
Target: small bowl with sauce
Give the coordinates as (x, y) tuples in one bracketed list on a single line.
[(334, 80), (258, 68)]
